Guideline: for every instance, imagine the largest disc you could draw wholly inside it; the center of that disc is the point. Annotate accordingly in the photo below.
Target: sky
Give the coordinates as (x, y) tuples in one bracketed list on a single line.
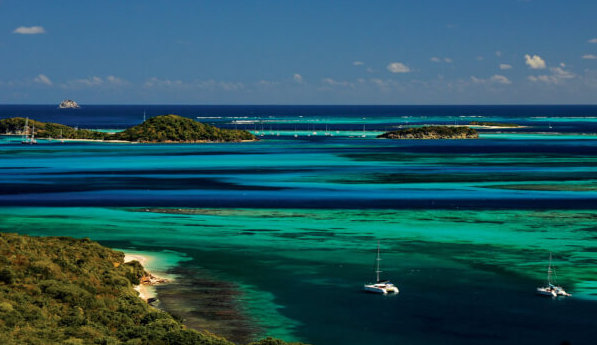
[(298, 52)]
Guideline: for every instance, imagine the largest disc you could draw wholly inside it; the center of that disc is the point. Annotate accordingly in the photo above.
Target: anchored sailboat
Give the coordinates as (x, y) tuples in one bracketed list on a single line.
[(551, 290), (381, 286), (28, 136)]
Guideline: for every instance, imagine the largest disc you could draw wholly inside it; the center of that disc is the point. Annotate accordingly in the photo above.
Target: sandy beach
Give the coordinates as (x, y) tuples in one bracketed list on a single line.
[(147, 287)]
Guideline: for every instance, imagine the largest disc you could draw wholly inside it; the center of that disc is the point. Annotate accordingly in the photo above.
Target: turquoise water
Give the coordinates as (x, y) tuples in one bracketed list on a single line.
[(298, 268), (277, 237)]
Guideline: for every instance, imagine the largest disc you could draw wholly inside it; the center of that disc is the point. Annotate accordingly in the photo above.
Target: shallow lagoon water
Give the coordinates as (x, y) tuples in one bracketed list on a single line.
[(465, 276), (283, 231)]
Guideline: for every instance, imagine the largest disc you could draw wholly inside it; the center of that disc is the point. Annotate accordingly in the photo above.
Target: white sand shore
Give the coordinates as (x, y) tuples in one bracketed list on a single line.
[(146, 289)]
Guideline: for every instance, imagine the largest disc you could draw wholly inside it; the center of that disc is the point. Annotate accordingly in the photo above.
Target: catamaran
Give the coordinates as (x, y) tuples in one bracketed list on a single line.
[(381, 286), (552, 290)]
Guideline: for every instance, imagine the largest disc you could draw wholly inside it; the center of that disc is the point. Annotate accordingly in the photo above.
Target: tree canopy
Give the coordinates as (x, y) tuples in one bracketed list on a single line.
[(60, 290), (432, 132)]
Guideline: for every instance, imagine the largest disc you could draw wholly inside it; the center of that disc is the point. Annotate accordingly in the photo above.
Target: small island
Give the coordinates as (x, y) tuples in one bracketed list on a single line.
[(178, 129), (432, 132), (486, 124), (159, 129), (68, 104)]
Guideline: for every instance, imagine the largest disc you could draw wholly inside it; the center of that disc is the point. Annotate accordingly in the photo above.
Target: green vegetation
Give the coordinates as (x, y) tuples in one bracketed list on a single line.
[(59, 290), (432, 132), (174, 128), (493, 124), (164, 128), (16, 125)]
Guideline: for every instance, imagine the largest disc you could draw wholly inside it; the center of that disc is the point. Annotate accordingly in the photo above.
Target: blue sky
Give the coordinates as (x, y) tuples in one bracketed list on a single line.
[(299, 52)]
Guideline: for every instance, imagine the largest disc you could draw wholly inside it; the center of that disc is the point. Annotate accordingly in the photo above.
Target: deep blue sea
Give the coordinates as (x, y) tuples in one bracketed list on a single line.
[(276, 237)]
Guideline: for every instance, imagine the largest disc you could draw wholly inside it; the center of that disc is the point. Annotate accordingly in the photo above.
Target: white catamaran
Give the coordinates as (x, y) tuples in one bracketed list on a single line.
[(381, 286), (552, 290)]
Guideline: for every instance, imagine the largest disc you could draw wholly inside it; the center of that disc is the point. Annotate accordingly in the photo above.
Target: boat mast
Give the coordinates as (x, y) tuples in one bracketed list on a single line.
[(26, 129), (378, 259), (549, 271)]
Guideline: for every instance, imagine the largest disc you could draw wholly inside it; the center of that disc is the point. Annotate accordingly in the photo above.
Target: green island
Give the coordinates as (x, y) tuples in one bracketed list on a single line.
[(60, 290), (432, 132), (158, 129), (493, 124)]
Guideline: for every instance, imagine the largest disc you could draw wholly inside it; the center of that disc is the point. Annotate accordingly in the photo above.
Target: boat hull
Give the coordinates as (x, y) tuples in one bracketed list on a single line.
[(382, 289), (546, 292)]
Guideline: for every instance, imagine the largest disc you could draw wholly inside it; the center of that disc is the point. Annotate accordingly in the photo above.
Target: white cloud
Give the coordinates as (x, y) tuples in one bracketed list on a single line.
[(332, 82), (495, 79), (589, 57), (43, 79), (95, 81), (505, 66), (534, 62), (115, 80), (298, 78), (357, 63), (592, 40), (558, 74), (156, 82), (398, 67), (438, 60), (209, 85), (92, 81), (500, 79), (29, 30)]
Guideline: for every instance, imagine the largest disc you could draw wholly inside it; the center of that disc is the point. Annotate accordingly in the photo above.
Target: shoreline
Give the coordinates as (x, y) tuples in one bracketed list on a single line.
[(147, 291), (49, 140)]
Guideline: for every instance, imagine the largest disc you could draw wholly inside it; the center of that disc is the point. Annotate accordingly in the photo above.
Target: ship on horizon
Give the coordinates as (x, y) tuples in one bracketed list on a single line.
[(68, 104)]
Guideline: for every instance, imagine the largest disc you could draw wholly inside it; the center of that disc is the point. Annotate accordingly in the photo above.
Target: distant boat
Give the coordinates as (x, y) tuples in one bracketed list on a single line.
[(551, 290), (28, 136), (380, 286), (68, 104)]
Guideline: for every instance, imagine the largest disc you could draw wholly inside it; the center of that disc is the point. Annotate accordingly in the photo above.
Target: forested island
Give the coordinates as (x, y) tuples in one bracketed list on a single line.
[(432, 132), (159, 129), (174, 128), (60, 290)]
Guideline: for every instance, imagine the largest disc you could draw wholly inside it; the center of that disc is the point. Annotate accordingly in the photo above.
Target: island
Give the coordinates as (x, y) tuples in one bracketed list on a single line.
[(432, 132), (61, 290), (174, 128), (68, 104), (486, 124), (158, 129)]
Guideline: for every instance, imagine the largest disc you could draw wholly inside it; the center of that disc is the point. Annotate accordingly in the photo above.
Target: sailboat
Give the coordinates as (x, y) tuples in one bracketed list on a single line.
[(380, 286), (551, 290), (28, 138)]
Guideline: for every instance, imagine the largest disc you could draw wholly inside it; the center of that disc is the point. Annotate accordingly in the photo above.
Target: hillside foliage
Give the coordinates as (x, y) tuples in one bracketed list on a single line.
[(16, 125), (163, 128), (174, 128), (59, 290)]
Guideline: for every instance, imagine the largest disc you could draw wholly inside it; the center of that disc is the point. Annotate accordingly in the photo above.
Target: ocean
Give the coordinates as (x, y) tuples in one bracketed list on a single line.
[(277, 237)]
